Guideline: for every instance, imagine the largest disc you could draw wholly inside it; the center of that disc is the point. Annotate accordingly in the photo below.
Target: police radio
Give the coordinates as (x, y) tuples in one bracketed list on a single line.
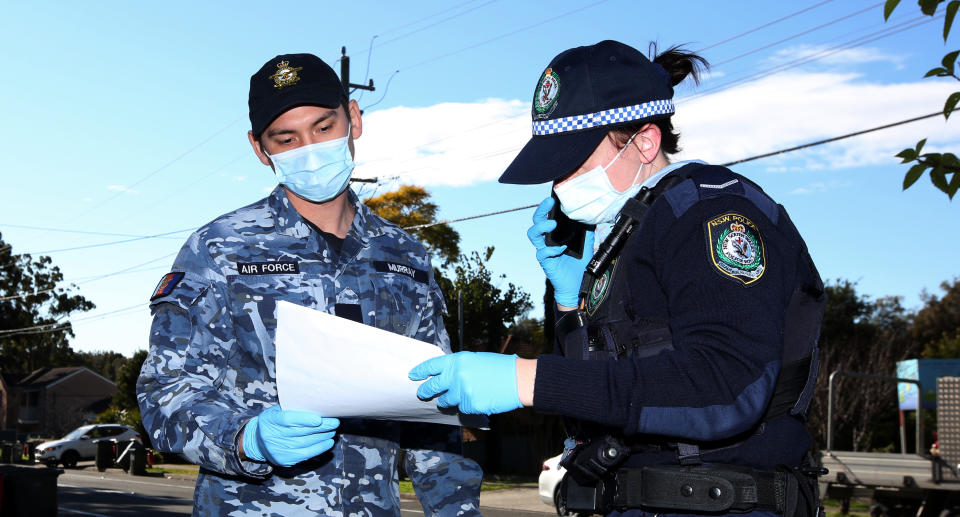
[(568, 232)]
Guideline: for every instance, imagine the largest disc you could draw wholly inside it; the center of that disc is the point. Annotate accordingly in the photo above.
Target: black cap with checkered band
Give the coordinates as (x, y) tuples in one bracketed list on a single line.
[(583, 94)]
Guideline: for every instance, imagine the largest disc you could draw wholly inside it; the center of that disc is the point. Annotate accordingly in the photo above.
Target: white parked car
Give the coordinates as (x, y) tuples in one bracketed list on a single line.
[(550, 475), (81, 444)]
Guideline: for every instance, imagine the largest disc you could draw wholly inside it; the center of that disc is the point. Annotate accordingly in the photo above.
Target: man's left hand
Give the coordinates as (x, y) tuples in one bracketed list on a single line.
[(475, 382)]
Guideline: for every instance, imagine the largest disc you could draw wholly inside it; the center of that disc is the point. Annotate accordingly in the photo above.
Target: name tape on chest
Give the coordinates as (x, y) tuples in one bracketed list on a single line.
[(736, 247), (279, 267), (166, 285), (401, 269)]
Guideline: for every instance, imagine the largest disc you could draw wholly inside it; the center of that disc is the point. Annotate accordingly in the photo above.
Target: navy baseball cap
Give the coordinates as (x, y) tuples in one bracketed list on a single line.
[(583, 94), (288, 81)]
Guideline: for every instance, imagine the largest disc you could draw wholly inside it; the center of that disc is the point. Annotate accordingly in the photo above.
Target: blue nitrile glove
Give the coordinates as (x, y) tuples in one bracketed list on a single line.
[(286, 438), (563, 271), (479, 383)]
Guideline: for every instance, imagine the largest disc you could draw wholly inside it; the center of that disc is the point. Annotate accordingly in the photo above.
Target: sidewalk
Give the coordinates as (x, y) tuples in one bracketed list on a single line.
[(523, 498)]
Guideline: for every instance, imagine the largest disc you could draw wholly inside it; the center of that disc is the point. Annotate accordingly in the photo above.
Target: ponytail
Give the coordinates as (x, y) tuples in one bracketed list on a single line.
[(677, 64)]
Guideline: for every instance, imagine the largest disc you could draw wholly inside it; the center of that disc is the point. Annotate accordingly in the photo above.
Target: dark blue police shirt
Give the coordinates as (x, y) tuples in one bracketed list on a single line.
[(725, 319)]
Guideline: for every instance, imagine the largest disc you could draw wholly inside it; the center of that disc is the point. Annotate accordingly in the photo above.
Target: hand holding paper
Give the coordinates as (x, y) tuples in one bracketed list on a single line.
[(336, 367), (477, 382)]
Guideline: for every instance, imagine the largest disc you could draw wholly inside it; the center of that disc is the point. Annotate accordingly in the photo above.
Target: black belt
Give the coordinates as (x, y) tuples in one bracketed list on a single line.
[(700, 488)]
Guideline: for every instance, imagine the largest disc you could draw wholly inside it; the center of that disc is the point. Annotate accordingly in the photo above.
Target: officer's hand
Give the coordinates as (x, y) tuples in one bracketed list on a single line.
[(475, 382), (563, 271), (286, 438)]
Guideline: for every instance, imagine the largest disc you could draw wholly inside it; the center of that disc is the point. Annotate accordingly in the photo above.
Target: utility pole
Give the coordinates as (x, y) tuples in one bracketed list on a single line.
[(345, 75), (345, 81), (460, 318)]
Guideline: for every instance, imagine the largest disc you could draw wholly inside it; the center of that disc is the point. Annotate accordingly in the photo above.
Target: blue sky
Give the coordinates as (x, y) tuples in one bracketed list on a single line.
[(129, 118)]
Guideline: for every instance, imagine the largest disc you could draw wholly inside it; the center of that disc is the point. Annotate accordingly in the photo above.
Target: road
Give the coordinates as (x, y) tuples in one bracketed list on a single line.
[(115, 494)]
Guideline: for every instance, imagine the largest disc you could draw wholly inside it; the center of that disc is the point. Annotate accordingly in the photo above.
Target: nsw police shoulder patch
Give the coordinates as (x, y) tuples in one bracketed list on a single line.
[(735, 247)]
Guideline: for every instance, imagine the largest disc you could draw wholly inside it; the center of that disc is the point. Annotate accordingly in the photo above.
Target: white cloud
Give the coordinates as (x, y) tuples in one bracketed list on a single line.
[(459, 144), (121, 188), (444, 144), (852, 56), (786, 110)]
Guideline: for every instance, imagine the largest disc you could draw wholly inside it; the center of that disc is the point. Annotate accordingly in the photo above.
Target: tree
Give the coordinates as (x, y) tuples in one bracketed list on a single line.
[(32, 296), (409, 206), (124, 409), (937, 325), (105, 363), (126, 396), (868, 337), (941, 165), (487, 309)]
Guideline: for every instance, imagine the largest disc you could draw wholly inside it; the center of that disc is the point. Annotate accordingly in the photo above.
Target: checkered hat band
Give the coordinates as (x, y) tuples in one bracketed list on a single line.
[(603, 118)]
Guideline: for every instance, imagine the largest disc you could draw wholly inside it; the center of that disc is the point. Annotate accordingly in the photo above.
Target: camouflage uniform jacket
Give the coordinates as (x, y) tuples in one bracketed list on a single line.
[(211, 367)]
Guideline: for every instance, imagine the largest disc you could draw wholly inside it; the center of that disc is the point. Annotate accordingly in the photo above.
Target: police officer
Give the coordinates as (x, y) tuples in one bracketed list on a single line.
[(208, 389), (686, 354)]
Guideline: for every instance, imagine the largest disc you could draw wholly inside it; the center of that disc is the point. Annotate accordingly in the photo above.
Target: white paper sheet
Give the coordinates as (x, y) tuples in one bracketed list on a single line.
[(341, 368)]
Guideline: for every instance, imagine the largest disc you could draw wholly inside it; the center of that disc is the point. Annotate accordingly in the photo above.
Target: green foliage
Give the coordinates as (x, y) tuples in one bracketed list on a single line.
[(944, 167), (937, 324), (105, 363), (488, 308), (131, 417), (126, 396), (862, 335), (410, 206), (32, 294)]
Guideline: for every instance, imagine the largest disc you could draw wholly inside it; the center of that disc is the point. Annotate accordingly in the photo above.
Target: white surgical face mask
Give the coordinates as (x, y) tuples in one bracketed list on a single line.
[(590, 198), (317, 172)]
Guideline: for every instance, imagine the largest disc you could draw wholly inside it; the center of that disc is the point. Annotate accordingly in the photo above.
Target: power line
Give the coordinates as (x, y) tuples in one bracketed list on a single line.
[(834, 139), (797, 35), (42, 328), (765, 25), (87, 246), (92, 279), (504, 35), (856, 42), (735, 162), (159, 169), (425, 18), (64, 230)]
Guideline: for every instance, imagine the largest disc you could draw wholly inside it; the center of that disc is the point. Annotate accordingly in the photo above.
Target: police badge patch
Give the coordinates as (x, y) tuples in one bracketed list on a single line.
[(736, 247), (600, 288), (545, 97)]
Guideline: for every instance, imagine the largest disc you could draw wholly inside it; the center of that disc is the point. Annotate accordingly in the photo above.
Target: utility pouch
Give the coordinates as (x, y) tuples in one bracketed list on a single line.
[(595, 460)]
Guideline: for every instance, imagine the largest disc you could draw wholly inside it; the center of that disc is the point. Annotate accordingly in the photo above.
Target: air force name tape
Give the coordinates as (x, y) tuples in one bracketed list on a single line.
[(166, 285), (736, 247), (402, 269), (603, 118), (268, 268)]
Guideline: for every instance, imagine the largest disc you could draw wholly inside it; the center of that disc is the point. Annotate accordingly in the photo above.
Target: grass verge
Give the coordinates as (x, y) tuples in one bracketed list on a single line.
[(406, 487)]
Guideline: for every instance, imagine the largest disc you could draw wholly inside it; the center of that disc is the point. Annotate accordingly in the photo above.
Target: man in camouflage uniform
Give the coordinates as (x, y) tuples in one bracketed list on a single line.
[(207, 390)]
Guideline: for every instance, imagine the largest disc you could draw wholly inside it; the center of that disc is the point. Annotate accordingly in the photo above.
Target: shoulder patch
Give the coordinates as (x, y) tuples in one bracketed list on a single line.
[(166, 285), (735, 247)]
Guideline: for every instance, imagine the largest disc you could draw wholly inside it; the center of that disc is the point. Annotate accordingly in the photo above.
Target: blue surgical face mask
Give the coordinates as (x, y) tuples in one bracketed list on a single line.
[(316, 172), (591, 199)]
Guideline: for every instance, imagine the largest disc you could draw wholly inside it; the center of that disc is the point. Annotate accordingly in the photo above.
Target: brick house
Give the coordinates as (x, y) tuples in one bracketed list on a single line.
[(51, 401)]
